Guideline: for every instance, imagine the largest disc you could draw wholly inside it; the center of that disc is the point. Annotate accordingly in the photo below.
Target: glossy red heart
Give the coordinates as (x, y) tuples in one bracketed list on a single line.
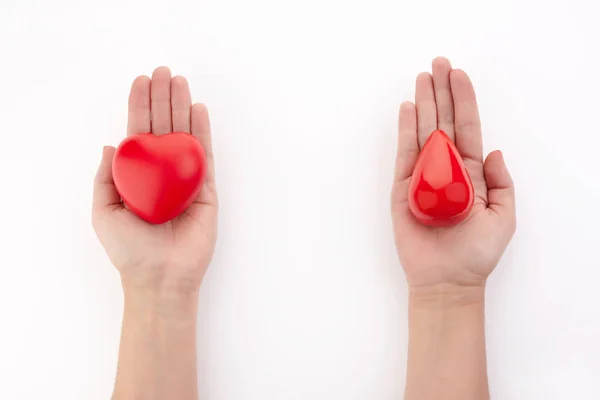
[(440, 191), (159, 176)]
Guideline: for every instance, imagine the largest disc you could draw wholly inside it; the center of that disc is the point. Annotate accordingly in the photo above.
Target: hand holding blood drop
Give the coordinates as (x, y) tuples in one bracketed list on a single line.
[(440, 191), (158, 177)]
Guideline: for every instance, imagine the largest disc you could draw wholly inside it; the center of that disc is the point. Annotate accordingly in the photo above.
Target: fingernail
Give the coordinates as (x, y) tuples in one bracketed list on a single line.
[(407, 105)]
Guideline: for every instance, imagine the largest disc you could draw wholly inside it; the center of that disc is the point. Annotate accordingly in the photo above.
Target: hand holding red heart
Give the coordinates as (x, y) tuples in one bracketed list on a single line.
[(180, 199), (466, 253)]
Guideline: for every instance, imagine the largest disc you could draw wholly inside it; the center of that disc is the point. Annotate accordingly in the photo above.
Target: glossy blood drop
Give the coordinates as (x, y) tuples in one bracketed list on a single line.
[(440, 192), (158, 177)]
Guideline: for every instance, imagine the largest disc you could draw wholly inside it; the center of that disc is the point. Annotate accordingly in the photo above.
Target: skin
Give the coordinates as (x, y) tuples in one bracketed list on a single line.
[(161, 266), (447, 268)]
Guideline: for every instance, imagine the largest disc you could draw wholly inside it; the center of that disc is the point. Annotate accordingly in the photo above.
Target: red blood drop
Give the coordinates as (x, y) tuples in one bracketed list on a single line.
[(158, 177), (440, 191)]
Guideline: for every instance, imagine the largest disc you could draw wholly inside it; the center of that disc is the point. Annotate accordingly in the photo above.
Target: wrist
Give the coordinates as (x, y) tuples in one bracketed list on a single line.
[(160, 304), (172, 279), (446, 296)]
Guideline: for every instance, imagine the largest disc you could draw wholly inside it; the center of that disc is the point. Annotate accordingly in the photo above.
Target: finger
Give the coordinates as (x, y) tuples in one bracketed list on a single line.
[(105, 192), (139, 106), (408, 148), (443, 95), (467, 126), (181, 104), (160, 101), (201, 130), (426, 109), (501, 190)]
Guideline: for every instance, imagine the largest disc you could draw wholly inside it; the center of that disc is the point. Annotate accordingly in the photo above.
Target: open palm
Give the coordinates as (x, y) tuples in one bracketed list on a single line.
[(177, 252), (467, 253)]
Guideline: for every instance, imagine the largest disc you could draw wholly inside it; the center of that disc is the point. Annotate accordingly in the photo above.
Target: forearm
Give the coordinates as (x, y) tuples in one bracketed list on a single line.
[(446, 355), (157, 356)]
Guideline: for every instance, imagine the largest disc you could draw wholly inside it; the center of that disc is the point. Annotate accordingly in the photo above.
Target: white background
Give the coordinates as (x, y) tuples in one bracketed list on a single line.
[(305, 298)]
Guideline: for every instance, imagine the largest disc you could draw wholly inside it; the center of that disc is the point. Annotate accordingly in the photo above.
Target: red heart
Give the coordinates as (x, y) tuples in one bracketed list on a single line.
[(158, 177), (440, 191)]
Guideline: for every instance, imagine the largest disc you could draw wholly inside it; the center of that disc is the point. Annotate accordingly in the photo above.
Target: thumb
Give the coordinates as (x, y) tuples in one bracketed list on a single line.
[(501, 189), (105, 192)]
